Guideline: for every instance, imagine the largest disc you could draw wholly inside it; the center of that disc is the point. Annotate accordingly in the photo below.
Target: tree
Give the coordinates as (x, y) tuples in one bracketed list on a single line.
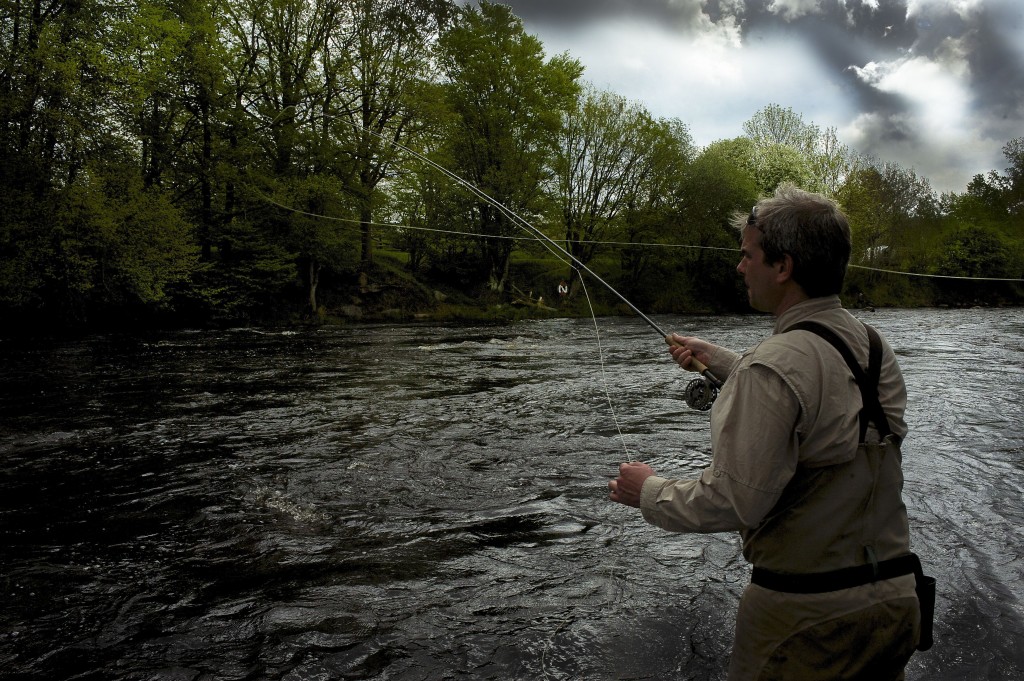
[(972, 251), (278, 49), (433, 206), (889, 207), (381, 69), (711, 190), (778, 164), (649, 213), (54, 80), (135, 246), (1014, 153), (831, 162), (612, 158), (788, 149), (83, 228), (203, 165), (508, 102), (774, 125)]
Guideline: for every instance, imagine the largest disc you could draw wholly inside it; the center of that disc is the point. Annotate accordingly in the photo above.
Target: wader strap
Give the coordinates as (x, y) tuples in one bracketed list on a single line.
[(872, 411)]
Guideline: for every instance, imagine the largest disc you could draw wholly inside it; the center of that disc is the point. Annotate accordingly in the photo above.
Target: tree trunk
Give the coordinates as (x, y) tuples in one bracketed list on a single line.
[(365, 222), (314, 281), (366, 242), (499, 272), (205, 180)]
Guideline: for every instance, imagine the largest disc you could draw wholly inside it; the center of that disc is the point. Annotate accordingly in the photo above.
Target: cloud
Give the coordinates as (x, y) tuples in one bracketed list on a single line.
[(794, 9), (679, 14), (707, 82), (936, 85), (932, 131), (960, 87), (935, 91)]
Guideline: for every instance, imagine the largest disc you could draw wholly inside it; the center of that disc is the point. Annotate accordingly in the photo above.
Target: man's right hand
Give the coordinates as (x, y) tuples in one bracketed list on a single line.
[(687, 348)]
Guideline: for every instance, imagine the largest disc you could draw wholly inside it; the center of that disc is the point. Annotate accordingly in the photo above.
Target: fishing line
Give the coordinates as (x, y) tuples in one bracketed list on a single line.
[(932, 276), (477, 235), (700, 392), (560, 254), (634, 244), (604, 375), (583, 285)]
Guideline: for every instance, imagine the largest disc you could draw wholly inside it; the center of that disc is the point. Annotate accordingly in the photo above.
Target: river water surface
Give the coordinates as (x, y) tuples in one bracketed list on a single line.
[(424, 502)]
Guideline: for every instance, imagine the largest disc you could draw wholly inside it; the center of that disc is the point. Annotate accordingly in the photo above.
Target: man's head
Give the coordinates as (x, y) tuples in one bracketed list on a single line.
[(802, 238)]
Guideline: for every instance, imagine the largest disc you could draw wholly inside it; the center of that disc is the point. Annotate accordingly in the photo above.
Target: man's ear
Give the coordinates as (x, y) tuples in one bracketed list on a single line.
[(784, 267)]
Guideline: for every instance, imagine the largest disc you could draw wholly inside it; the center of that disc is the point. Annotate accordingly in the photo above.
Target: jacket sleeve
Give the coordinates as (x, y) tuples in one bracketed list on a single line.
[(755, 452), (722, 362)]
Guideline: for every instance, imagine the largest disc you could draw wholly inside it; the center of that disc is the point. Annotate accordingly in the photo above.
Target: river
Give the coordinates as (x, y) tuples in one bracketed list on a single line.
[(427, 502)]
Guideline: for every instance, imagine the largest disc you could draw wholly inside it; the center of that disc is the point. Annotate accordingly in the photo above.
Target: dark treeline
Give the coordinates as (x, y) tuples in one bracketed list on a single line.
[(226, 161)]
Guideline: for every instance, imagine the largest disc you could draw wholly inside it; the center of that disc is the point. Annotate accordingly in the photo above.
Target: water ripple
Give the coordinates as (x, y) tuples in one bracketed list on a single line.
[(430, 503)]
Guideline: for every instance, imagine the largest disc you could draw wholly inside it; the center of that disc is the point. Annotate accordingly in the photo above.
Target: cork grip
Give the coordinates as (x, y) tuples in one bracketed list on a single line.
[(695, 364)]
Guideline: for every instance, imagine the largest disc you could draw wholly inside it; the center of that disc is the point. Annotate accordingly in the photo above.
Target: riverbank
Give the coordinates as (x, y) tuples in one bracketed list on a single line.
[(390, 293)]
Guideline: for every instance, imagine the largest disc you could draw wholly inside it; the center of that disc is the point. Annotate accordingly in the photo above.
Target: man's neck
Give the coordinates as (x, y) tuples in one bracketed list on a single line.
[(793, 295)]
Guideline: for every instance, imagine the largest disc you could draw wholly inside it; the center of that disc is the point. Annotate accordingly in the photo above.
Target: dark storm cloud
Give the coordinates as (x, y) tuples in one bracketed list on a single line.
[(982, 40), (754, 14), (575, 12), (861, 46), (997, 73), (843, 33)]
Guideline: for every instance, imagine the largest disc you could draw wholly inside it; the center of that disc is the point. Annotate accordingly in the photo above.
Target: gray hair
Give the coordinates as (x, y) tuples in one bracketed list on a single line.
[(811, 229)]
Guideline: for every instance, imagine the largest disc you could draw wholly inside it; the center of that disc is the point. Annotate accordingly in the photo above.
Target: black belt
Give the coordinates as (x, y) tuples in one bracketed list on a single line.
[(844, 578)]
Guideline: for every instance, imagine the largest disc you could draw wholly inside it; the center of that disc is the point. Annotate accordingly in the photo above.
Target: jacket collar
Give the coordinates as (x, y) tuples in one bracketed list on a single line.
[(805, 309)]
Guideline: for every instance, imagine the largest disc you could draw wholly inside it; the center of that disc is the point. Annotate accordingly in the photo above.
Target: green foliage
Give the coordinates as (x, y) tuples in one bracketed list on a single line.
[(887, 206), (614, 166), (507, 103), (233, 160), (140, 244), (778, 164), (107, 243), (786, 149), (250, 277), (972, 251), (712, 189)]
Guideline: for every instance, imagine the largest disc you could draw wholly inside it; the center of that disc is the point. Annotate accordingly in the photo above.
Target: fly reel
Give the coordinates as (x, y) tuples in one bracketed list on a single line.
[(700, 394)]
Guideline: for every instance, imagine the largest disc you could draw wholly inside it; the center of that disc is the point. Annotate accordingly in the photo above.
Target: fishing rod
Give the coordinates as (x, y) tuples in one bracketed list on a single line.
[(699, 393)]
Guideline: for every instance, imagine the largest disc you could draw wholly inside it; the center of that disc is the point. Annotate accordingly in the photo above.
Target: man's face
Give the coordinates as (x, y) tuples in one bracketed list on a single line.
[(763, 290)]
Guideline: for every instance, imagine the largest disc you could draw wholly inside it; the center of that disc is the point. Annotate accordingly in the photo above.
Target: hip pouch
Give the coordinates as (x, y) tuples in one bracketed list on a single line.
[(926, 597)]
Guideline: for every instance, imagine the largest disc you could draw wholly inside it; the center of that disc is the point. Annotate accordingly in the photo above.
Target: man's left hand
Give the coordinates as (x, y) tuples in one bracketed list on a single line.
[(625, 489)]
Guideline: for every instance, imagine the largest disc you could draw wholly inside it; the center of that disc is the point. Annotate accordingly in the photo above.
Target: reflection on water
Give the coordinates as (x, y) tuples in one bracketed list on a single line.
[(429, 503)]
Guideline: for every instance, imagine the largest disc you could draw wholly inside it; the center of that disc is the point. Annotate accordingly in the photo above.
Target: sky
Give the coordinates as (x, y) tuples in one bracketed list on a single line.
[(934, 85)]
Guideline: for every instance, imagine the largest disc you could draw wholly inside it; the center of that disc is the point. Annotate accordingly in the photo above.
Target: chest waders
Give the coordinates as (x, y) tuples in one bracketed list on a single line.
[(874, 570)]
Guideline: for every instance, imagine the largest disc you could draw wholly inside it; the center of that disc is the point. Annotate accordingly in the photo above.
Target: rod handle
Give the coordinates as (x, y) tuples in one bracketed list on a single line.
[(695, 364)]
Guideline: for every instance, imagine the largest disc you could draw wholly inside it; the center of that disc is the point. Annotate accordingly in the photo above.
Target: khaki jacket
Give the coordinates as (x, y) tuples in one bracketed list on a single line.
[(787, 470)]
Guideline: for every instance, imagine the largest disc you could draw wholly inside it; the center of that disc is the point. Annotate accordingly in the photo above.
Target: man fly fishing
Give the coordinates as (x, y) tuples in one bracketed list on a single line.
[(806, 465)]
